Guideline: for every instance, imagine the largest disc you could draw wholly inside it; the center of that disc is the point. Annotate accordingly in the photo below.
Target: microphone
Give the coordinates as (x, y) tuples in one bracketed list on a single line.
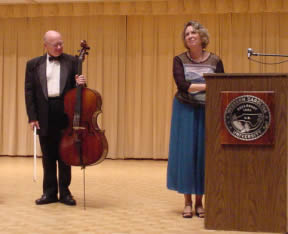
[(250, 52)]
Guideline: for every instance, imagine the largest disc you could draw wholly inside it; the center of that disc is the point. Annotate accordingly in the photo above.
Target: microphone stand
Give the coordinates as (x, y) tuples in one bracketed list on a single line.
[(251, 53), (272, 55)]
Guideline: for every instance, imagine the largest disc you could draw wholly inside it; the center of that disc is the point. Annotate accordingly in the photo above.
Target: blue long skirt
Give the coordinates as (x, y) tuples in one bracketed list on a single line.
[(186, 161)]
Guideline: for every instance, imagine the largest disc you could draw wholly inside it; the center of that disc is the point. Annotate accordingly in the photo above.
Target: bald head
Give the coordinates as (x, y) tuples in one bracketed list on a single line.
[(50, 35), (53, 43)]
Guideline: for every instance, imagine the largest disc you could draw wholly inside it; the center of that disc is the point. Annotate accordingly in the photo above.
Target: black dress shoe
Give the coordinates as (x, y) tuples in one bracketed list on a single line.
[(68, 200), (44, 199)]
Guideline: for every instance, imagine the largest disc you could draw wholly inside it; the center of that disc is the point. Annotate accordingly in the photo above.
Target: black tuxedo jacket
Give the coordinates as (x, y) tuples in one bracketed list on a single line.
[(36, 92)]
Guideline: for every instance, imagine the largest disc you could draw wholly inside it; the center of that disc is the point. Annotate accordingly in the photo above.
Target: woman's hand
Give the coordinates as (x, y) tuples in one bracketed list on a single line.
[(197, 87)]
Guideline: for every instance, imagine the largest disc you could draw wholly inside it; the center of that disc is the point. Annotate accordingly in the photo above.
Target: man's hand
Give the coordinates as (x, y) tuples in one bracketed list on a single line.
[(34, 123), (80, 80)]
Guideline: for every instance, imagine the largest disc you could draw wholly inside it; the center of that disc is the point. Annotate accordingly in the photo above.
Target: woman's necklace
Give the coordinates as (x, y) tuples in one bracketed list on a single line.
[(196, 60)]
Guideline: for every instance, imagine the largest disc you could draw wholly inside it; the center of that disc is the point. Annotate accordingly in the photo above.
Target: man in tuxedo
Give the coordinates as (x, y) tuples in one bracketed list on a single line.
[(47, 80)]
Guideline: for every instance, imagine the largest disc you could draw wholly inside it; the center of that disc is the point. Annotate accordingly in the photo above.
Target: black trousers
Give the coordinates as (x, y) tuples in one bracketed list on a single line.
[(50, 150)]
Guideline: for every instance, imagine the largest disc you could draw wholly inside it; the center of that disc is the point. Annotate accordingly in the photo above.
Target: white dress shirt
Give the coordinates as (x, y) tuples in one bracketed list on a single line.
[(53, 77)]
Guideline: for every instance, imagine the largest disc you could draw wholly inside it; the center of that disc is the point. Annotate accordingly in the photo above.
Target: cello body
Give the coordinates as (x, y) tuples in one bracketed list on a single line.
[(87, 135), (83, 143)]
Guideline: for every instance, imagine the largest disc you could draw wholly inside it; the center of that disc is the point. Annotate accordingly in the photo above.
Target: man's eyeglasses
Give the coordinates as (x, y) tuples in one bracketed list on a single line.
[(61, 44)]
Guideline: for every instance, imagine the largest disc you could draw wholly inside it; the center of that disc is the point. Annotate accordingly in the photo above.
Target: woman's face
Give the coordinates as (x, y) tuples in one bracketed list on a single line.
[(192, 38)]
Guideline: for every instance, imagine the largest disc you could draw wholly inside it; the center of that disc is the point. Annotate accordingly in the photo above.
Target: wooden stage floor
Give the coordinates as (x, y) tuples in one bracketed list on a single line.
[(122, 196)]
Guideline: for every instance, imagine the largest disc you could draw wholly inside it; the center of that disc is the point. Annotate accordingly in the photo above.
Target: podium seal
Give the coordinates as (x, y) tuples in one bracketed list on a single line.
[(247, 117)]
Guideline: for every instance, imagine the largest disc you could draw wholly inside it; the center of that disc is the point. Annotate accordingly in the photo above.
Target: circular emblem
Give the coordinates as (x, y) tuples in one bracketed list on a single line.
[(247, 117)]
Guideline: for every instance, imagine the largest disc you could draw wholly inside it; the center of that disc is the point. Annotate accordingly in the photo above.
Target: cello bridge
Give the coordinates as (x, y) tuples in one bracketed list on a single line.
[(79, 128)]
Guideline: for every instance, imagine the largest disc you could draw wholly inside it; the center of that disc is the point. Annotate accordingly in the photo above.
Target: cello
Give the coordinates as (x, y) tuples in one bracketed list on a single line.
[(83, 143)]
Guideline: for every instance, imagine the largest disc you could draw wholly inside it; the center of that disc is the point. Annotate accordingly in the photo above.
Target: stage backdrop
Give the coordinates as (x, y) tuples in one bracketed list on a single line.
[(130, 61)]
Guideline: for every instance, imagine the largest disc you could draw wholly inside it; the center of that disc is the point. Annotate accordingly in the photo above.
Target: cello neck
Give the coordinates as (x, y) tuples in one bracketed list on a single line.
[(77, 108), (79, 68)]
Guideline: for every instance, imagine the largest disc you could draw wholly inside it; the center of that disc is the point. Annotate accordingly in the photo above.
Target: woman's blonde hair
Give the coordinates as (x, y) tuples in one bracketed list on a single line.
[(199, 28)]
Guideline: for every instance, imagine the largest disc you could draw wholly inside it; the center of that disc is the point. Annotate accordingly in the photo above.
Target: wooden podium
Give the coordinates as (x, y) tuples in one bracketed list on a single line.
[(246, 184)]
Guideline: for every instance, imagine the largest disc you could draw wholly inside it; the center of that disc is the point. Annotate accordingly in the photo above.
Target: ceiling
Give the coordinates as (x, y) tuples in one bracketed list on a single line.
[(63, 1)]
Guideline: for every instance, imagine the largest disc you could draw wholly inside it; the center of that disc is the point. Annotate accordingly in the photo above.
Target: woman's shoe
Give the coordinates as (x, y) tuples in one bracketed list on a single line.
[(187, 212), (199, 211)]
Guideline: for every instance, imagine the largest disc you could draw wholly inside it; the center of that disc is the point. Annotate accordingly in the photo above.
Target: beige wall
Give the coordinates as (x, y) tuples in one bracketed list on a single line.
[(130, 61)]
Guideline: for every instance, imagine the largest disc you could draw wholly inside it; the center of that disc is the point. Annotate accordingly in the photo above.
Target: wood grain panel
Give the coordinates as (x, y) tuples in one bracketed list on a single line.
[(246, 186), (138, 7)]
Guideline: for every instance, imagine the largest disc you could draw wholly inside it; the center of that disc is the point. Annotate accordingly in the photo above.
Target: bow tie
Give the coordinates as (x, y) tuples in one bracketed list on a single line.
[(52, 58)]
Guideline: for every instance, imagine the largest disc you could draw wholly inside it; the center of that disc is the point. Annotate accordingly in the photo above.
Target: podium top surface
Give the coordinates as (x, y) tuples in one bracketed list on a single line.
[(245, 75)]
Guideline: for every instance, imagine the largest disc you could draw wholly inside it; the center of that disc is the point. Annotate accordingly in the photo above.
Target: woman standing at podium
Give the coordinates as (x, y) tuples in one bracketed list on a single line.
[(186, 161)]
